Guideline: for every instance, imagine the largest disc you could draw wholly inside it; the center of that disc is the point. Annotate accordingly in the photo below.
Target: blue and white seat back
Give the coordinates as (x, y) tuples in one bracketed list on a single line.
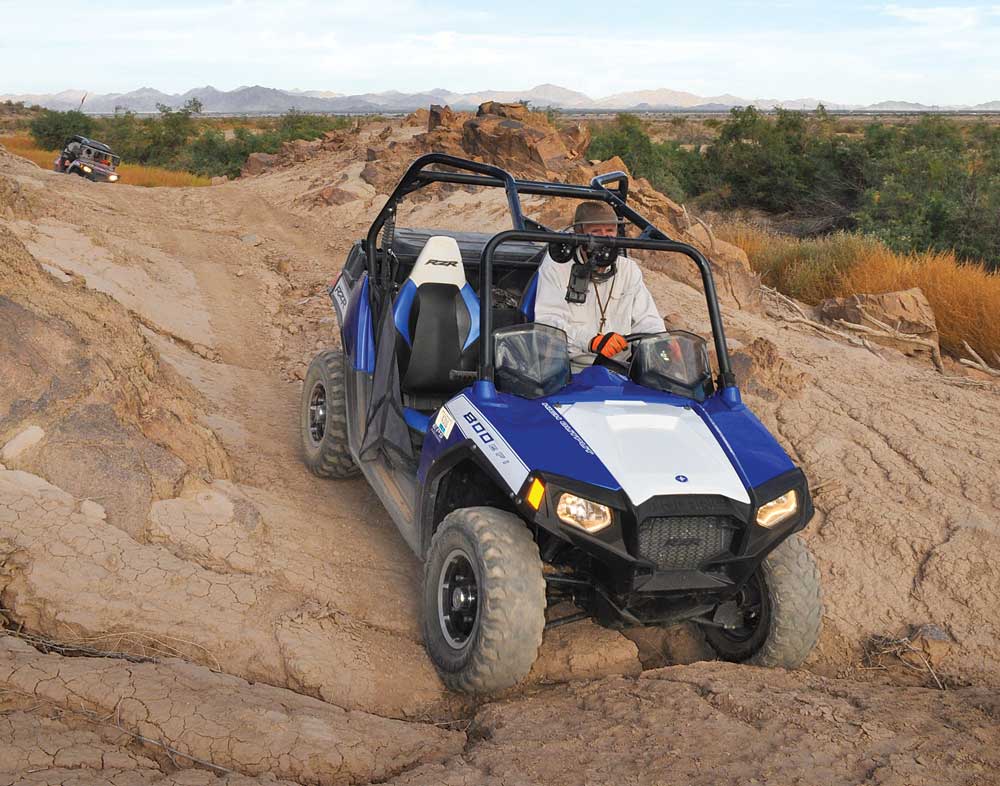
[(437, 321)]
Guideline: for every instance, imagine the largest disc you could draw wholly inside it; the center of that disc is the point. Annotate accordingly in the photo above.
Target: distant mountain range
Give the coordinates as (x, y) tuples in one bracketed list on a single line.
[(269, 100)]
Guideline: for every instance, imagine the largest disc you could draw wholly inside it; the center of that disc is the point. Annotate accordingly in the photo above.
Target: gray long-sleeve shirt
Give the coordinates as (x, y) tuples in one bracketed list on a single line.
[(630, 307)]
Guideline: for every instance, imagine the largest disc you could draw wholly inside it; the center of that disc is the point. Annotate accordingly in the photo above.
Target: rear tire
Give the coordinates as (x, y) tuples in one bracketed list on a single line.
[(789, 596), (490, 642), (323, 418)]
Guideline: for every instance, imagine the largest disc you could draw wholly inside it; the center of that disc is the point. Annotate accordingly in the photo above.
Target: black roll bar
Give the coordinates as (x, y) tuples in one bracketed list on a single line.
[(486, 364), (618, 177), (474, 173), (415, 178)]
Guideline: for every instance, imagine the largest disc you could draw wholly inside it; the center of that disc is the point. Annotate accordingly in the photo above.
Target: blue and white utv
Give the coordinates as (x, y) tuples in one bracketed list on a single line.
[(644, 492)]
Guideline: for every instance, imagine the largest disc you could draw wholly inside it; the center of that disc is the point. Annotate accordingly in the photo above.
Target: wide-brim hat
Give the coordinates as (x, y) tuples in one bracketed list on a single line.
[(593, 212)]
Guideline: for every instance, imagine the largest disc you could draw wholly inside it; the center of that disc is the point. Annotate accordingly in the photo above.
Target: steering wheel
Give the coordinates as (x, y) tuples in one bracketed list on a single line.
[(617, 365)]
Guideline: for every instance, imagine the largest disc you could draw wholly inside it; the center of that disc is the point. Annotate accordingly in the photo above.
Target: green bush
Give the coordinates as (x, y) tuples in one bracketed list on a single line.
[(934, 188), (51, 129), (791, 163), (931, 185), (299, 125), (668, 167)]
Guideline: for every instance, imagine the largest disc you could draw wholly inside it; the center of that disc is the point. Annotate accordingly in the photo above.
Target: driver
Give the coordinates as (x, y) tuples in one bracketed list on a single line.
[(71, 152), (617, 304)]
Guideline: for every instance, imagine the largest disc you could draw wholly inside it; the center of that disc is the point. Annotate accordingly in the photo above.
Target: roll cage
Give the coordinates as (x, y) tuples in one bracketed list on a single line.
[(611, 188)]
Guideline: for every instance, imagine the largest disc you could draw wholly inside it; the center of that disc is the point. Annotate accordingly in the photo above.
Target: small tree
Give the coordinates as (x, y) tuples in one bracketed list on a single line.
[(171, 132), (51, 129)]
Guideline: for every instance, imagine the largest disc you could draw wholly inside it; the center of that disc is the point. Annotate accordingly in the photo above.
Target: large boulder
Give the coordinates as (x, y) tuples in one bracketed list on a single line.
[(905, 312), (257, 163)]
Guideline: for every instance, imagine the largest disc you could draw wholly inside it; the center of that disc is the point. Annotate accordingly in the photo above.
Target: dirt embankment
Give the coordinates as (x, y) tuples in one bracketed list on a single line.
[(152, 503)]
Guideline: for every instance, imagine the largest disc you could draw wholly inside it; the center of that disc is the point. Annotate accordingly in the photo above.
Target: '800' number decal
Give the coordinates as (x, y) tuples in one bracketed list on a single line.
[(484, 434)]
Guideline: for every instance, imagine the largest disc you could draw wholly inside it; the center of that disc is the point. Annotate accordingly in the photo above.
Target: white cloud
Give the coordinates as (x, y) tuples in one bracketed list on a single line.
[(943, 19), (939, 54)]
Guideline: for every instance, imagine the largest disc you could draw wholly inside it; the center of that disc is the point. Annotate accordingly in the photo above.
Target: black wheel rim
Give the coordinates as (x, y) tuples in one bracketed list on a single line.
[(458, 599), (317, 412), (754, 610)]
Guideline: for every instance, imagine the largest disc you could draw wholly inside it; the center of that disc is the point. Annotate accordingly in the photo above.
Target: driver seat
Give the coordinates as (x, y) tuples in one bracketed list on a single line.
[(436, 314)]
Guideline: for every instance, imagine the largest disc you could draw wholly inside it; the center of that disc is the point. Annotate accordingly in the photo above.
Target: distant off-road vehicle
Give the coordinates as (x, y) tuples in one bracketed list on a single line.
[(88, 158), (646, 493)]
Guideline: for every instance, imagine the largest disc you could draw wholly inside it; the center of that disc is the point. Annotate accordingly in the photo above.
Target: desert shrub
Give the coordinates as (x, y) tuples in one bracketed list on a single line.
[(933, 187), (789, 163), (51, 129), (299, 125), (212, 154), (668, 167)]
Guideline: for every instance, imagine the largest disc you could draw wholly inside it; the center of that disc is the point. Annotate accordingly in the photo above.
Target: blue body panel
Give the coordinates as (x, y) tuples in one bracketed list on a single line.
[(358, 331), (416, 419), (755, 454), (401, 310), (527, 305), (472, 304), (434, 446)]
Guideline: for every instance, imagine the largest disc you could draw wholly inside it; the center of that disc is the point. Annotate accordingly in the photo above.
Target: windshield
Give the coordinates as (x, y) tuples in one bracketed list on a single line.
[(531, 360), (675, 362)]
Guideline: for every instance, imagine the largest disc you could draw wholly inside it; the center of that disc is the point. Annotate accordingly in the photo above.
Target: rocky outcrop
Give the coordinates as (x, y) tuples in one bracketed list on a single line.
[(907, 312), (193, 719), (117, 423), (439, 116), (524, 142)]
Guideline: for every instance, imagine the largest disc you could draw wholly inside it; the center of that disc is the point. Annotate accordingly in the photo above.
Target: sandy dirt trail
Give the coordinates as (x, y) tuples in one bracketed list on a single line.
[(301, 592)]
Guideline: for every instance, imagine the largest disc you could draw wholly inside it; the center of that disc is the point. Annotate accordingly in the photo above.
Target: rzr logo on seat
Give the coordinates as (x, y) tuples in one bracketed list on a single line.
[(478, 428), (443, 262)]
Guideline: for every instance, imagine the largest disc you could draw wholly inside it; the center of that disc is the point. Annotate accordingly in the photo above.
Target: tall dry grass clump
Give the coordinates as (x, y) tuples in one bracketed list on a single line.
[(24, 146), (132, 174), (965, 297)]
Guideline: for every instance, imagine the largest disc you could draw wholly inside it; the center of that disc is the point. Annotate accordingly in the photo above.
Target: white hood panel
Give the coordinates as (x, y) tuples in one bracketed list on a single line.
[(655, 449)]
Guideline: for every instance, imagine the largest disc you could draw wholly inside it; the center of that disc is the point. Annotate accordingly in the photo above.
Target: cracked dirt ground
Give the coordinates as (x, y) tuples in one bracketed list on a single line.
[(152, 340)]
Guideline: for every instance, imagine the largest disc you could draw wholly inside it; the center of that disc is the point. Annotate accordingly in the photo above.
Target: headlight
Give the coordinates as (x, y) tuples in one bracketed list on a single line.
[(779, 509), (582, 513), (112, 178), (87, 169)]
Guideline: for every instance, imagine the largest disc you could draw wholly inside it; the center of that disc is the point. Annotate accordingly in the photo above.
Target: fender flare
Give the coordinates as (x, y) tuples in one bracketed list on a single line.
[(439, 470)]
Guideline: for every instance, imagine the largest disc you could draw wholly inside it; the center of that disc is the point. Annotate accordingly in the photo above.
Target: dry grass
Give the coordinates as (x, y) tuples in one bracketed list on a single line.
[(154, 176), (965, 298), (132, 174)]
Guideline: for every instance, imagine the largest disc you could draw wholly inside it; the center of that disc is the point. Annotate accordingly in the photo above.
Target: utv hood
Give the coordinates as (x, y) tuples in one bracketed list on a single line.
[(655, 448)]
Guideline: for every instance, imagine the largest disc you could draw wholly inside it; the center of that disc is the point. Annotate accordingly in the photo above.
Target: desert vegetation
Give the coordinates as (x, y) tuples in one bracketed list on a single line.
[(181, 139), (933, 184)]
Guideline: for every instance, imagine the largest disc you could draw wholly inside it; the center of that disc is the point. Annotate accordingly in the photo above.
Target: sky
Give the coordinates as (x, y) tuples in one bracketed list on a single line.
[(842, 51)]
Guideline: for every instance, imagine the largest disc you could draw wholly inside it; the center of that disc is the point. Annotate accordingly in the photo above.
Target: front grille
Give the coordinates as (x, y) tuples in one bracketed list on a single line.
[(684, 542)]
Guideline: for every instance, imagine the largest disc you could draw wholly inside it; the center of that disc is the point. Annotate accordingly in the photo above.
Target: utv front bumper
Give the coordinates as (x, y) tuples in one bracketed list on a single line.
[(673, 553)]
